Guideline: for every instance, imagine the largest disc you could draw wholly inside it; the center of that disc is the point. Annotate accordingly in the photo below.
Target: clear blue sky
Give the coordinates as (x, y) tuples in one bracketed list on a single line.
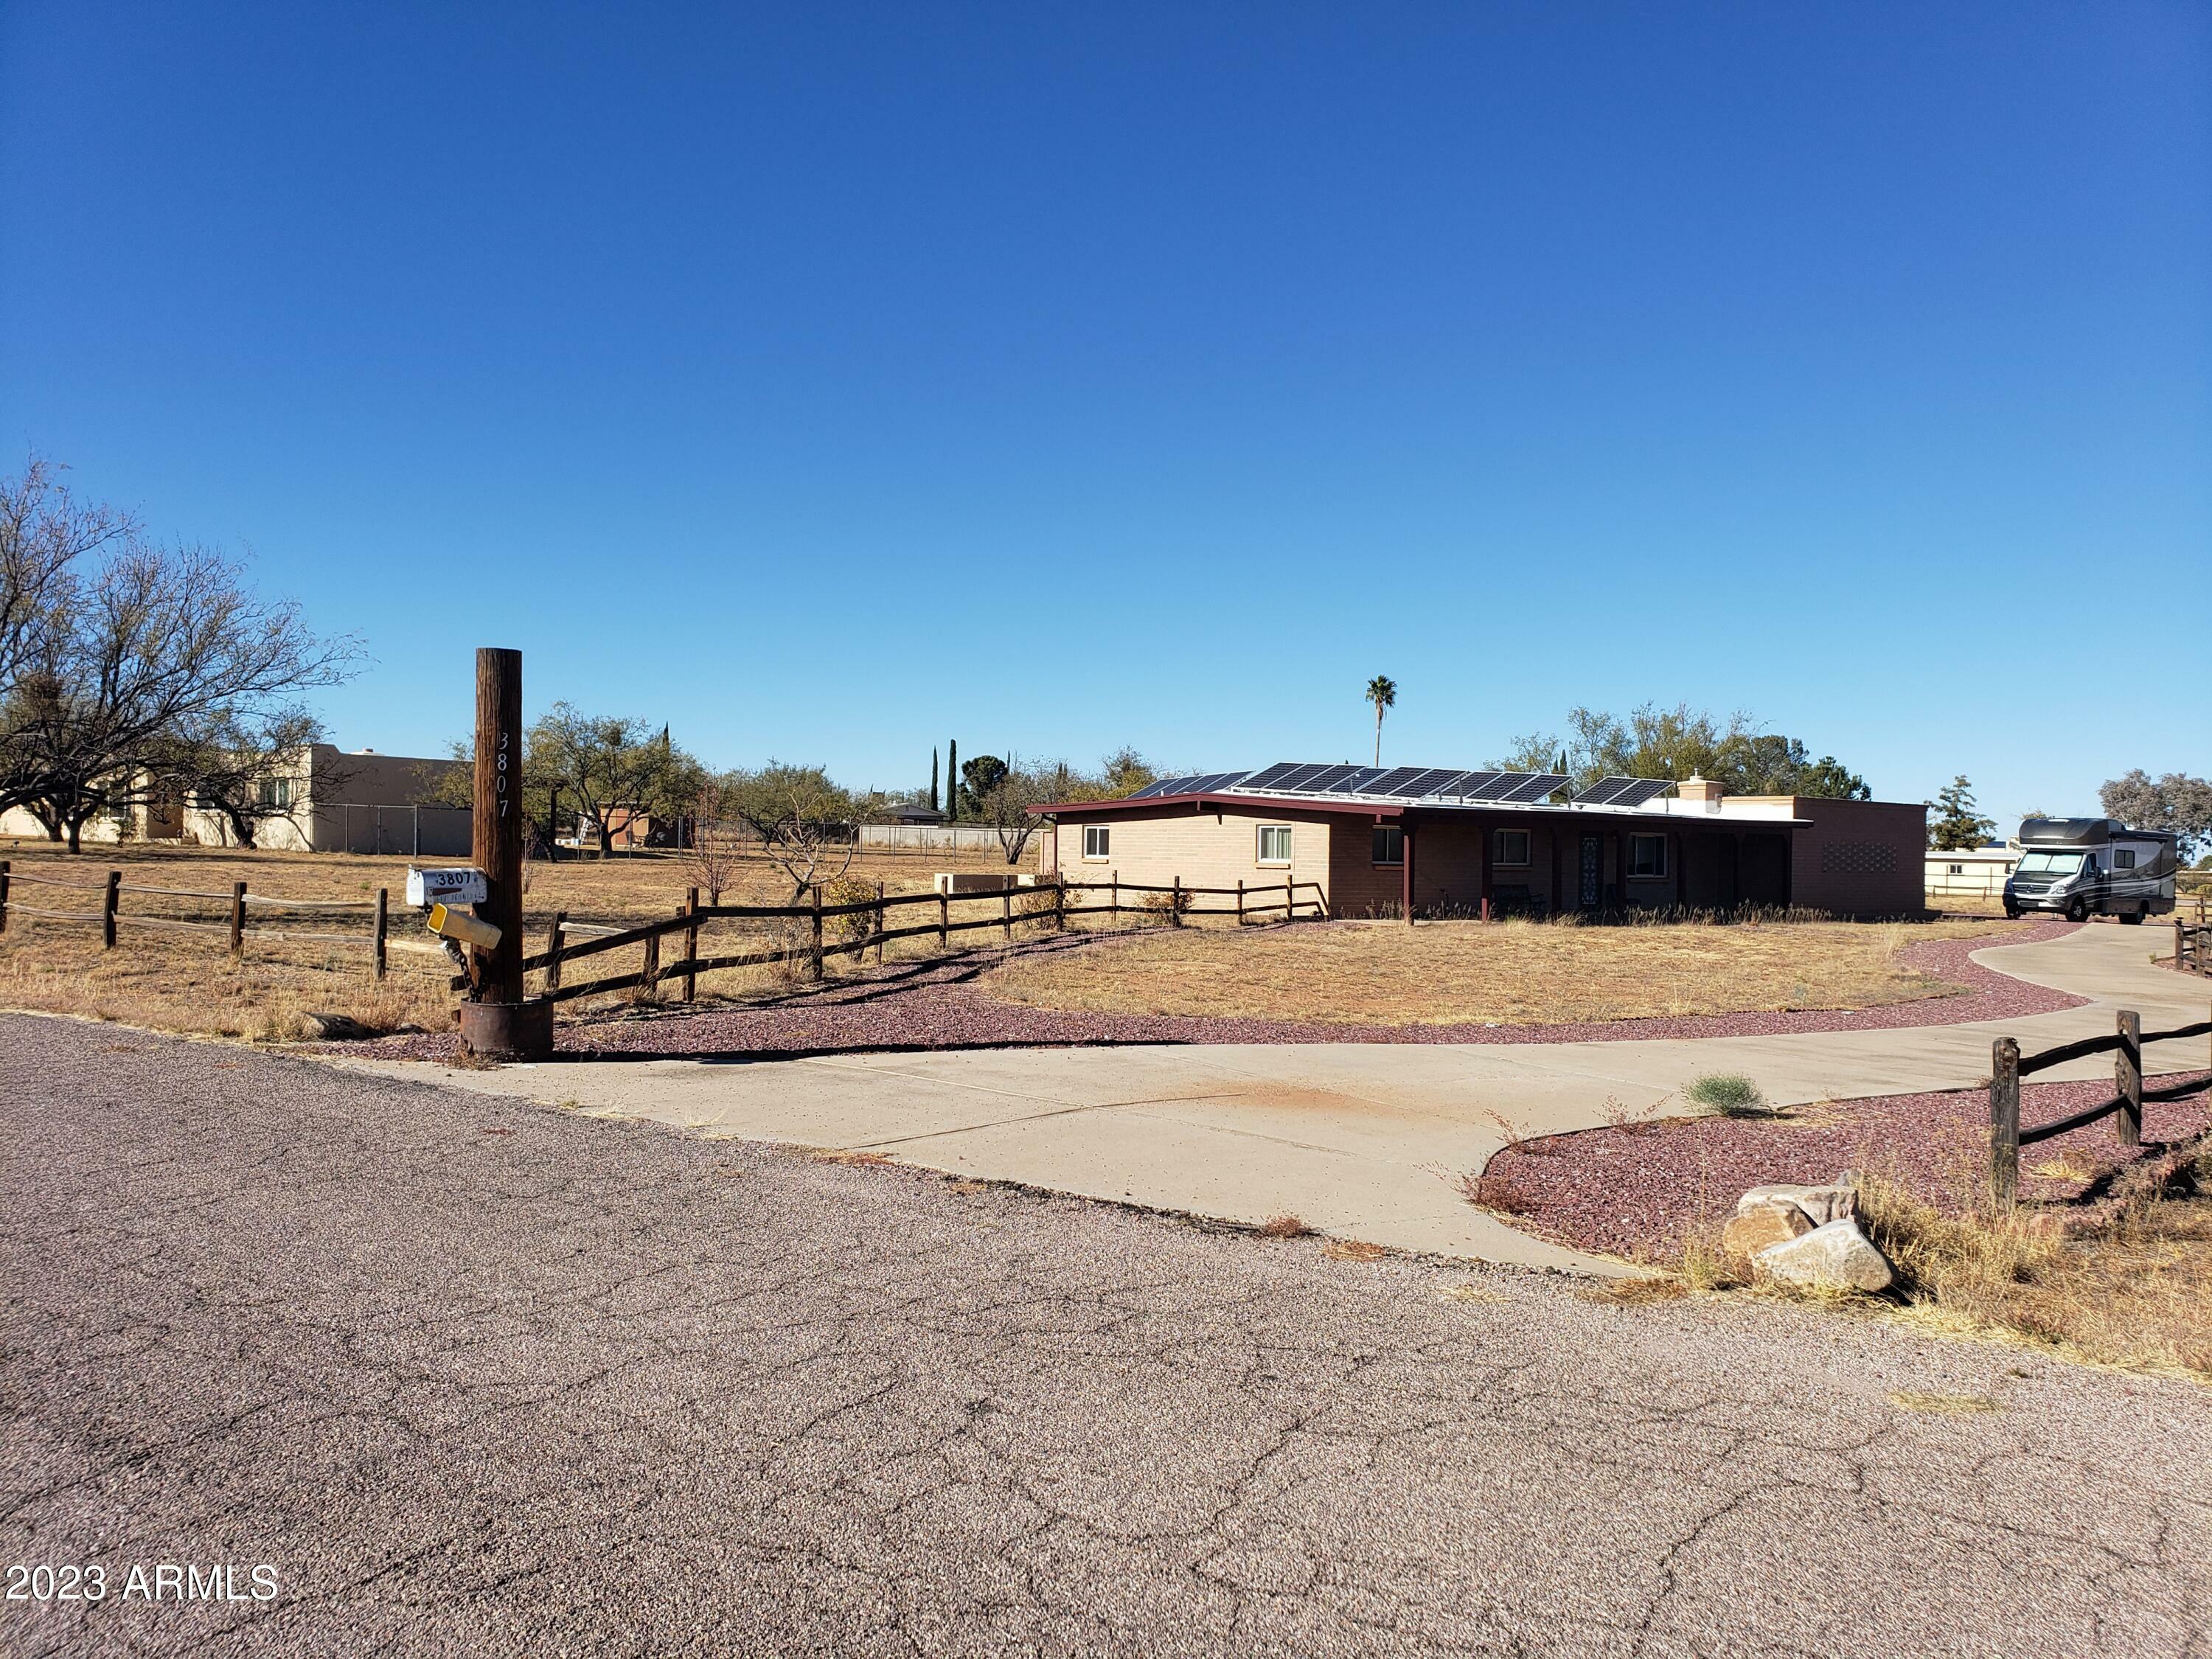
[(830, 380)]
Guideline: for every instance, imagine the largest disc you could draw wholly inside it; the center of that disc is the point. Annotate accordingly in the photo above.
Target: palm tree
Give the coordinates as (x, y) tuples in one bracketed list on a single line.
[(1383, 692)]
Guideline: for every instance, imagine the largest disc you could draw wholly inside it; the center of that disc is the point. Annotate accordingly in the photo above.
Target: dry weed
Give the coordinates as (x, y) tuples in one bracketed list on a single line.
[(1284, 1226), (1352, 1250)]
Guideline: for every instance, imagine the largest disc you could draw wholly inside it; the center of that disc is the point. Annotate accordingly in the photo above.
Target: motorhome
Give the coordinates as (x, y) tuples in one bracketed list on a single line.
[(2084, 867)]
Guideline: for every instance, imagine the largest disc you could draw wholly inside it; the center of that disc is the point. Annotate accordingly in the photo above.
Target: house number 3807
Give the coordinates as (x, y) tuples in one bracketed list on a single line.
[(502, 774)]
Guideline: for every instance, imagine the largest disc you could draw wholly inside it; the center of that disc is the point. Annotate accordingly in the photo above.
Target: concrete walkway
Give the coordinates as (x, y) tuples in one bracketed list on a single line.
[(1366, 1141)]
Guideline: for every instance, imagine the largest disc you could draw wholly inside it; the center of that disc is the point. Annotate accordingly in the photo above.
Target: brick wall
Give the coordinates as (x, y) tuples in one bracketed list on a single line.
[(1864, 858)]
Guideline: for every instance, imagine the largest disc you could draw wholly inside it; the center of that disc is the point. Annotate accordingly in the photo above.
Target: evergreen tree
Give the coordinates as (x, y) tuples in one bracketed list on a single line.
[(1956, 824)]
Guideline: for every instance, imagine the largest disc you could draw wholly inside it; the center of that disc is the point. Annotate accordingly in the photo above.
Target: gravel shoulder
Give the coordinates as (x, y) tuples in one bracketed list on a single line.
[(477, 1376)]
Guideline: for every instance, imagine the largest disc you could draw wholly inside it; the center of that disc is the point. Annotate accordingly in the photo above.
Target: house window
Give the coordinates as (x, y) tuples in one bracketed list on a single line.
[(1647, 858), (1096, 839), (1510, 846), (1956, 870), (275, 794), (2123, 857), (1390, 844), (1274, 844)]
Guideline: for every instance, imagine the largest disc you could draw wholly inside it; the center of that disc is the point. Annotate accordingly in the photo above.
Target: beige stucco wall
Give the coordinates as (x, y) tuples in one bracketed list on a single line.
[(1157, 846)]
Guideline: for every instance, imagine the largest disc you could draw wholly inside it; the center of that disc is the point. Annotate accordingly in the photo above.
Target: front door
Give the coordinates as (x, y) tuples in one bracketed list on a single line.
[(1593, 872)]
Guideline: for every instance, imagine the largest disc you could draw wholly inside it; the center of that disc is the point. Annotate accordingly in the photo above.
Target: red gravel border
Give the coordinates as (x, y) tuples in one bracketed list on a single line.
[(1640, 1190), (938, 1005)]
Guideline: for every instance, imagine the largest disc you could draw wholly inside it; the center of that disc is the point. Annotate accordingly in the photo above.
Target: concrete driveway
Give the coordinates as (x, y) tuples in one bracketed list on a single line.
[(1359, 1140)]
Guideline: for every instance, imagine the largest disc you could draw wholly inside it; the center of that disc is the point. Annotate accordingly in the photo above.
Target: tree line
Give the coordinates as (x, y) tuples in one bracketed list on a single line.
[(137, 673), (1681, 743)]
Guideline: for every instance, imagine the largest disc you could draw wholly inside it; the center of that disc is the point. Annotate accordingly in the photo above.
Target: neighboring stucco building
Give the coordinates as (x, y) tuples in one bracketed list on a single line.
[(324, 800), (1970, 871), (1444, 841)]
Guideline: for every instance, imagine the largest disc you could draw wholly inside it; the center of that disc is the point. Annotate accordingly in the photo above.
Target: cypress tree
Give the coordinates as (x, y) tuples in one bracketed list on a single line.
[(952, 779), (932, 779)]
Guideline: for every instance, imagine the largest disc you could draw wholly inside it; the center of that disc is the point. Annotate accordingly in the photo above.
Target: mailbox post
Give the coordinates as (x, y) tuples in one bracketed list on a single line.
[(497, 1021)]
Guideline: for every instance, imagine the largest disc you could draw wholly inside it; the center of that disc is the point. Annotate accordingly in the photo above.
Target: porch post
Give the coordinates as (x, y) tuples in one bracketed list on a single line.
[(1620, 867), (1483, 829), (1558, 894), (1406, 867)]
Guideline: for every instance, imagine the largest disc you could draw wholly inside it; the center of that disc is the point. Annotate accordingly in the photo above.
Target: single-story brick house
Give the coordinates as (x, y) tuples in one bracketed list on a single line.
[(1428, 841)]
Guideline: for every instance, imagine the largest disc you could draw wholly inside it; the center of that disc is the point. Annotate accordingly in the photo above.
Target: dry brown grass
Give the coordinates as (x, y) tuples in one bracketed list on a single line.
[(176, 979), (1284, 1226), (2135, 1292), (1508, 972), (1352, 1250)]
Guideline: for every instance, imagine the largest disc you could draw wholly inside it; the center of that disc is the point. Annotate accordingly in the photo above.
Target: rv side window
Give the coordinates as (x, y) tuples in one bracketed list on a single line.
[(2123, 857)]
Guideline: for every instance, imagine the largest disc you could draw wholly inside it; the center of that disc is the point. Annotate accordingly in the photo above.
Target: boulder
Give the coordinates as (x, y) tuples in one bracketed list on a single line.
[(1821, 1205), (334, 1028), (1750, 1231), (1836, 1256)]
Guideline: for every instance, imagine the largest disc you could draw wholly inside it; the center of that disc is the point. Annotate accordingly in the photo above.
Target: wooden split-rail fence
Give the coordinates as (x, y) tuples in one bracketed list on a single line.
[(2192, 944), (942, 915), (240, 923), (2007, 1066)]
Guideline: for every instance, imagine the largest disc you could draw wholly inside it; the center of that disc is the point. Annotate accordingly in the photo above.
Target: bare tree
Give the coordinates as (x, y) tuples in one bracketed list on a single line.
[(717, 843), (161, 643), (803, 819), (253, 770), (1005, 806)]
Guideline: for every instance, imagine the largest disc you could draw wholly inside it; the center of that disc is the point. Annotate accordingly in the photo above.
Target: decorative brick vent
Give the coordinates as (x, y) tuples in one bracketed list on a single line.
[(1858, 858)]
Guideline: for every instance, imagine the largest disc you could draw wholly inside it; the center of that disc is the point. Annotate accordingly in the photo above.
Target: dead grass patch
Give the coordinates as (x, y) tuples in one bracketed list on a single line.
[(1352, 1250), (1508, 972), (1284, 1226), (847, 1155)]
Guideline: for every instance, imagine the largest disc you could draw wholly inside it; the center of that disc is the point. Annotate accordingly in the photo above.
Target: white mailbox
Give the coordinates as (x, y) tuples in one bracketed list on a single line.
[(457, 886)]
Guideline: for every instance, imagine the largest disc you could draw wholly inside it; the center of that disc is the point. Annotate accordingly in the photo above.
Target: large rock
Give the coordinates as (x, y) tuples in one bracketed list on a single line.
[(334, 1028), (1834, 1257), (1749, 1231), (1821, 1205)]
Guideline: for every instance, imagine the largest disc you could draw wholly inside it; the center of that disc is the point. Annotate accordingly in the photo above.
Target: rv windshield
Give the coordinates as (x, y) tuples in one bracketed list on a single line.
[(2050, 863)]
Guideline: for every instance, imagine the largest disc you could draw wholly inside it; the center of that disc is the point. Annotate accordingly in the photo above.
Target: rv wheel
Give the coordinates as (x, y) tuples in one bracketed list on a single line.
[(2133, 919), (2078, 909), (2012, 911)]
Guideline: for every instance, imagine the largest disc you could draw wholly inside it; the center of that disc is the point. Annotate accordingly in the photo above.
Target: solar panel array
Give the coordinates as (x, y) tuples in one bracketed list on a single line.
[(1447, 783)]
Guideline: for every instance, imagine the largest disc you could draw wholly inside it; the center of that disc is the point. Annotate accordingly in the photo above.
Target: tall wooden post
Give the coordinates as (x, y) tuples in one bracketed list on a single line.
[(553, 950), (383, 921), (944, 920), (1406, 869), (882, 919), (237, 918), (2004, 1122), (498, 815), (1240, 900), (1174, 904), (691, 943), (2127, 1076), (4, 896), (108, 899), (814, 941)]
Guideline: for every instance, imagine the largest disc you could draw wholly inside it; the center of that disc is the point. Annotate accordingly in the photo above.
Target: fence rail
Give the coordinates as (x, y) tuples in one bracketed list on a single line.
[(2008, 1066), (113, 918), (1046, 903), (2192, 944)]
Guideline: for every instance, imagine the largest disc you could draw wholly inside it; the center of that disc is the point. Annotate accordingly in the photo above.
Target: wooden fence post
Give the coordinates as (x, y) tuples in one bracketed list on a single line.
[(650, 981), (4, 896), (814, 946), (1291, 901), (2004, 1122), (237, 918), (944, 917), (1240, 900), (691, 943), (1174, 904), (2180, 938), (383, 924), (2127, 1073), (1007, 915), (1114, 907), (883, 924), (108, 899), (1059, 902), (553, 950)]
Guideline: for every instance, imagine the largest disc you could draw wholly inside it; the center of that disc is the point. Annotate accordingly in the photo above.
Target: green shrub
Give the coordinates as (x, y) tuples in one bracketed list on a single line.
[(1729, 1093)]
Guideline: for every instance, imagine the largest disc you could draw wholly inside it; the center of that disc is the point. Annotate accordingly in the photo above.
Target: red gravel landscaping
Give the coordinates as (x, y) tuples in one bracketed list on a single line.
[(938, 1005), (1639, 1191)]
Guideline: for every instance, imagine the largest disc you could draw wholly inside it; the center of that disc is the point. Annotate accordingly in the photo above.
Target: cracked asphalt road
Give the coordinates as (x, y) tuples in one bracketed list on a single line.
[(481, 1377)]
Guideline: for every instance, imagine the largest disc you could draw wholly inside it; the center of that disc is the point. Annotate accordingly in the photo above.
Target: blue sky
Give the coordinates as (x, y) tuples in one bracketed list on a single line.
[(832, 380)]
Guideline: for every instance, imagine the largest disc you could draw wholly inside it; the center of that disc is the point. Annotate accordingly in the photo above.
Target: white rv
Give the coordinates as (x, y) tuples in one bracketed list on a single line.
[(2084, 867)]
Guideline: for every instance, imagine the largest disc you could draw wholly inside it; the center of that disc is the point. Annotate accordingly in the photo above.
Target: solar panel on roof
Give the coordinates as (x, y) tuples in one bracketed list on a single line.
[(1532, 789), (1271, 777), (1490, 785), (1331, 780), (1394, 782), (1622, 792)]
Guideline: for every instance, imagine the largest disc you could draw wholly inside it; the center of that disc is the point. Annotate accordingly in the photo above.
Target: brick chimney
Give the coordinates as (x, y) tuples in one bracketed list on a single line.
[(1700, 792)]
